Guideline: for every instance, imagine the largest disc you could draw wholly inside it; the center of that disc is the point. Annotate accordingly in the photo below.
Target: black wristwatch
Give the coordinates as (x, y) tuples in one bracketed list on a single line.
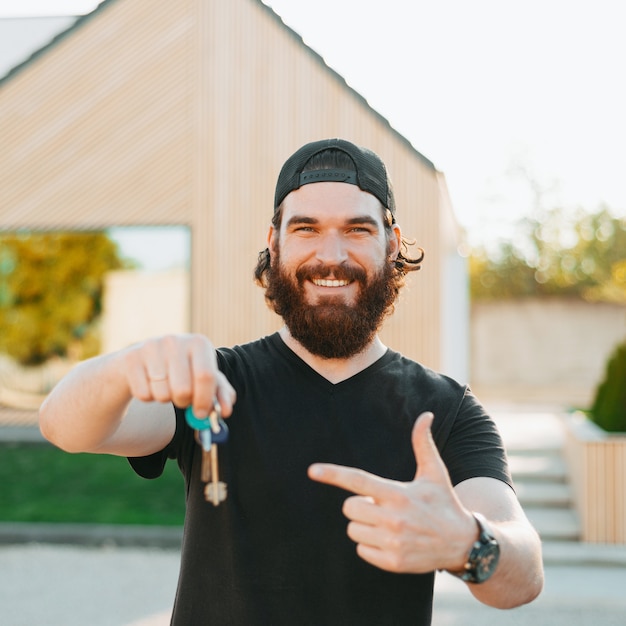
[(483, 557)]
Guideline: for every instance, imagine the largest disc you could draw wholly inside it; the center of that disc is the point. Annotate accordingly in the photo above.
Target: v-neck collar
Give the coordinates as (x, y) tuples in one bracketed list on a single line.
[(321, 380)]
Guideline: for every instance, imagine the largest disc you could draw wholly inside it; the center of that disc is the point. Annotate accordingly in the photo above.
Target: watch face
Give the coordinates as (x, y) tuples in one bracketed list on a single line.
[(486, 561), (483, 557)]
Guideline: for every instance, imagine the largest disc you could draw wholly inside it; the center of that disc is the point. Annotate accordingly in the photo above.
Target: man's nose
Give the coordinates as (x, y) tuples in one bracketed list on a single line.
[(332, 250)]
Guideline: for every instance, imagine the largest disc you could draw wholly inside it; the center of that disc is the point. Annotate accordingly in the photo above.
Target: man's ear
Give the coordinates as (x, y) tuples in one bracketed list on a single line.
[(271, 235), (395, 242)]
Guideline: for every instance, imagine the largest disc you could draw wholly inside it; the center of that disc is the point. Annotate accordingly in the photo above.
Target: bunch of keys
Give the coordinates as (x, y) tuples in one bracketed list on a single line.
[(210, 432)]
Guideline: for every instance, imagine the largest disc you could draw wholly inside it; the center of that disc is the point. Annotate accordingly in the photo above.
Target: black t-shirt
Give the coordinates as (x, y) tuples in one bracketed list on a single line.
[(276, 551)]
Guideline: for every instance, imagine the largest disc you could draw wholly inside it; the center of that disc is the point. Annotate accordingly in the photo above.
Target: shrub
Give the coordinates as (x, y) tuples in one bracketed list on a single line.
[(609, 406)]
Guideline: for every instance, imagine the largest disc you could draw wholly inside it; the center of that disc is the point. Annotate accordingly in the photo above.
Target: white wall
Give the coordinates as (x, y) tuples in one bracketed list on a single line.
[(455, 312), (455, 300), (138, 305), (542, 350)]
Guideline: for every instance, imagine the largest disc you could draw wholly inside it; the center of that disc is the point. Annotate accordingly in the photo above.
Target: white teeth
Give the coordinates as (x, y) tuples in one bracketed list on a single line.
[(330, 283)]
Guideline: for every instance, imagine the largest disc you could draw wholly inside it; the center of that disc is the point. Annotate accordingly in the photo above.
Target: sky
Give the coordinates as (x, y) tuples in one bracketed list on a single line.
[(503, 97)]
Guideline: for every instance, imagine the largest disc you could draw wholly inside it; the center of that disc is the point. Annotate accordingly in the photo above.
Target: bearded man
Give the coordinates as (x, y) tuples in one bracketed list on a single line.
[(326, 423)]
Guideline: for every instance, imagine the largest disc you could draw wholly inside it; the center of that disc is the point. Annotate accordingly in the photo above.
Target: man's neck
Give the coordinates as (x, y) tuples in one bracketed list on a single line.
[(336, 370)]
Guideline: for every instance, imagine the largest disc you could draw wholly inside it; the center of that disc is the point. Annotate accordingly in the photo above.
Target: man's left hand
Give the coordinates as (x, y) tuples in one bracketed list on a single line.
[(416, 526)]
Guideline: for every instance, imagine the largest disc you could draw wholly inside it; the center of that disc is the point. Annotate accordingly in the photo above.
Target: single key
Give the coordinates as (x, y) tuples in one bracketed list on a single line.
[(203, 437), (215, 491)]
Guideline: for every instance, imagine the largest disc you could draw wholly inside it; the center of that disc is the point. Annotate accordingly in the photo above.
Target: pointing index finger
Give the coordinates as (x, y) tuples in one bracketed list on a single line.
[(355, 480)]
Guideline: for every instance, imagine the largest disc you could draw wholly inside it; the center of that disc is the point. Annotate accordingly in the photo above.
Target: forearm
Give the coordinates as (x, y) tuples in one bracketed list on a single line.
[(518, 578), (87, 406)]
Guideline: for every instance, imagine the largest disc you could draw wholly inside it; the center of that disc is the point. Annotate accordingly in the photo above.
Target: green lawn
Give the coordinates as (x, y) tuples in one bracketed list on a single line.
[(39, 483)]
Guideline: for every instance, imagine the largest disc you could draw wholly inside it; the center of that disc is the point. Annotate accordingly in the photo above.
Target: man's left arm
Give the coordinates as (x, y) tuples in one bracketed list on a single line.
[(518, 576), (427, 524)]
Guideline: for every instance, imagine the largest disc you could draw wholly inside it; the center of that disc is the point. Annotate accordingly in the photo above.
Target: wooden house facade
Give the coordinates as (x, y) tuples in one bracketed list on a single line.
[(150, 112)]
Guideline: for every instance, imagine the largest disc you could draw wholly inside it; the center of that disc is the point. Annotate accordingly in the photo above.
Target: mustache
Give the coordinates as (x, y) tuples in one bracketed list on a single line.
[(338, 272)]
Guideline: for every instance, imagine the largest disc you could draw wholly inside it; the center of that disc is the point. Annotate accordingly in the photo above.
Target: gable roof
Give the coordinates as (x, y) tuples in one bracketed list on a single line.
[(82, 20)]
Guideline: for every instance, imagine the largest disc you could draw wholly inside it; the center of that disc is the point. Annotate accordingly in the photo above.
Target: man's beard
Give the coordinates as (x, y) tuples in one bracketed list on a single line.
[(331, 328)]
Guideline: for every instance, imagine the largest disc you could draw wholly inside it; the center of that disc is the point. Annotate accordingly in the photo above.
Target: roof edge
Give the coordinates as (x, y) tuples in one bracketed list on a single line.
[(80, 21), (318, 57)]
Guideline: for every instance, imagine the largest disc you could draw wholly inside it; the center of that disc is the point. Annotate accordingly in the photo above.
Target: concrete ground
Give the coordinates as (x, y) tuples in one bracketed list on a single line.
[(572, 596), (55, 585)]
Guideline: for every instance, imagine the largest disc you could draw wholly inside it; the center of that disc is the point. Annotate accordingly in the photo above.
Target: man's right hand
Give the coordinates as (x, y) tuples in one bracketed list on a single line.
[(121, 403), (181, 369)]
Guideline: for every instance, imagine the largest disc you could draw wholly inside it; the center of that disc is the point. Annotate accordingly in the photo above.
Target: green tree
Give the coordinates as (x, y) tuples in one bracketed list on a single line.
[(51, 290), (581, 255)]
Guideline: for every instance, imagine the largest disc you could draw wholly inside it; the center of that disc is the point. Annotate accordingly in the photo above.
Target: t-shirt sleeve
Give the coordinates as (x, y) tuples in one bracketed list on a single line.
[(472, 446), (152, 466)]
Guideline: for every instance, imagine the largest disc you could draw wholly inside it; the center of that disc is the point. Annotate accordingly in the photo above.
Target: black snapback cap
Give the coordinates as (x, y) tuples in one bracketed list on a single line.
[(370, 173)]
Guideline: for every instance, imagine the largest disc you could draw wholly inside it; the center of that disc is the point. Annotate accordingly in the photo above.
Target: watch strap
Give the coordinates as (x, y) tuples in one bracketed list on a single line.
[(484, 555)]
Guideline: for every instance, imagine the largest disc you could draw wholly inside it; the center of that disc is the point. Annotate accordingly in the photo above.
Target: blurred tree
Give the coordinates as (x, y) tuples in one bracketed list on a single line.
[(51, 290), (580, 255)]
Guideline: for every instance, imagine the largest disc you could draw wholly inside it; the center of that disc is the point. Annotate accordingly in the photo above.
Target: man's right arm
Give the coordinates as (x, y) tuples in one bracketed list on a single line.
[(121, 403)]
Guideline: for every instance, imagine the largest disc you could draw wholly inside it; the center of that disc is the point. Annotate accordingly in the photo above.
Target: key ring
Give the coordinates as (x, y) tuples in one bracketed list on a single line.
[(219, 429)]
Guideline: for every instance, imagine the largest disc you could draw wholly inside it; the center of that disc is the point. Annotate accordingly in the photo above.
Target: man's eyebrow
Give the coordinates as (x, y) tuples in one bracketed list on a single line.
[(364, 219), (301, 219)]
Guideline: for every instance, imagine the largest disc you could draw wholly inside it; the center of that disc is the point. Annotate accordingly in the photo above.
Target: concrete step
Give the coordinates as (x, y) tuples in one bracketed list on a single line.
[(529, 431), (554, 524), (523, 449), (544, 494), (571, 553), (538, 467), (541, 482)]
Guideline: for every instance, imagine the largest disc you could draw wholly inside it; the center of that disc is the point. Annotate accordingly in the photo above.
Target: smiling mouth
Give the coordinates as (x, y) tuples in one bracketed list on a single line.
[(324, 282)]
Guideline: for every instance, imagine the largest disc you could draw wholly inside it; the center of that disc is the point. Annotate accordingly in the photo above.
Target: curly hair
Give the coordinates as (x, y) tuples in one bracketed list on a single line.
[(331, 159)]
